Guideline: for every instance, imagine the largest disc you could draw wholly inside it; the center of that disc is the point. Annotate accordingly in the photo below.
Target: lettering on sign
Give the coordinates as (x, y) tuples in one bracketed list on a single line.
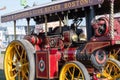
[(51, 9), (37, 11), (76, 3)]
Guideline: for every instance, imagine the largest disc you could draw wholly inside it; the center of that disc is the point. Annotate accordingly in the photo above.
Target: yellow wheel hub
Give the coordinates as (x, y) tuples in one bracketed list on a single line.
[(16, 65)]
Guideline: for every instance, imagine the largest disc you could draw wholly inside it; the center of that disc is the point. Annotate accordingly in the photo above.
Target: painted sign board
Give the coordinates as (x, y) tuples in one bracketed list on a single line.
[(48, 9)]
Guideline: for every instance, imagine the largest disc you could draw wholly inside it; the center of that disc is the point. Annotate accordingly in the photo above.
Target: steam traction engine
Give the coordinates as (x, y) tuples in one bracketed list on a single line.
[(64, 52)]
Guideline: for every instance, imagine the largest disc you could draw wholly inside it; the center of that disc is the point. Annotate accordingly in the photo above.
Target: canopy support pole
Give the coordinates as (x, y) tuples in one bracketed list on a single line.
[(90, 14), (60, 24), (28, 26), (45, 16), (14, 29)]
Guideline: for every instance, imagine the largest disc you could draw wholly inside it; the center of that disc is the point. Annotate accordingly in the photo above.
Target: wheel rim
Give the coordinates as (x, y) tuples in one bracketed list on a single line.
[(71, 72), (112, 69), (16, 63)]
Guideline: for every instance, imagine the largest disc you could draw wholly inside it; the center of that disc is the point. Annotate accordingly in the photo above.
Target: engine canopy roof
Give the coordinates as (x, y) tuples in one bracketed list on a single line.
[(60, 7)]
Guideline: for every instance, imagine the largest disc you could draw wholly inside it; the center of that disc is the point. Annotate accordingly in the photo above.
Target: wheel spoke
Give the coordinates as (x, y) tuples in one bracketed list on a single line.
[(19, 77), (22, 53), (110, 69), (27, 71), (107, 67), (66, 78), (25, 64), (24, 59), (116, 53), (25, 56), (73, 72), (13, 69), (15, 74), (69, 71), (17, 51), (107, 75), (15, 59), (78, 76), (24, 76)]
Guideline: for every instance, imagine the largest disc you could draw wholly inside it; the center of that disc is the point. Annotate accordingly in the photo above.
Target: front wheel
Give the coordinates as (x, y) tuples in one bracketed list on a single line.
[(19, 61), (74, 71)]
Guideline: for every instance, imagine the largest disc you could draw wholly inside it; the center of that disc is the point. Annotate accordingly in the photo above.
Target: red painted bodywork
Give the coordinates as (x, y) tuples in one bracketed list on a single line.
[(50, 59), (69, 54), (52, 50), (107, 34), (92, 46), (42, 56)]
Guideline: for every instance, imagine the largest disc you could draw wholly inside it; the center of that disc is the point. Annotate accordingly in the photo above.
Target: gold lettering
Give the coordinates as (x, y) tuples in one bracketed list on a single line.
[(77, 3), (52, 8), (65, 5), (37, 11), (73, 4), (82, 2), (21, 15), (57, 7), (69, 5)]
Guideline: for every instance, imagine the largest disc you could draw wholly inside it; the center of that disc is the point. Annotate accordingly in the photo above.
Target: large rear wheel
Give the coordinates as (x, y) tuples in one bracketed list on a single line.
[(112, 69), (74, 71), (19, 61), (115, 53)]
